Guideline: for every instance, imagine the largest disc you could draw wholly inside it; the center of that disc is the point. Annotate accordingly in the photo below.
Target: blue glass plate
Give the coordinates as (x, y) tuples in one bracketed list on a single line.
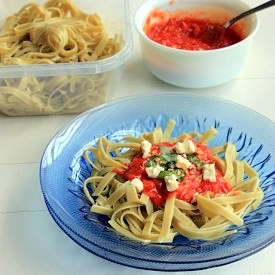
[(63, 172)]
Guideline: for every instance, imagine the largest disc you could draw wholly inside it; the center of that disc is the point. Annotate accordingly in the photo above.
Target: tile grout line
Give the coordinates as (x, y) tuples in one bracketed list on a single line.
[(18, 163), (255, 78), (23, 211)]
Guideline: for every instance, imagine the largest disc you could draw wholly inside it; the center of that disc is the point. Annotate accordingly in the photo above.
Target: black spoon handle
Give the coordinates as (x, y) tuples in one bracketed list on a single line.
[(246, 13)]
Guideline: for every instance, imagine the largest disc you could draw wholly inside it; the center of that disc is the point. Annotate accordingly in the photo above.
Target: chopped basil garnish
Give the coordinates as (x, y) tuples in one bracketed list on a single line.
[(165, 150), (165, 173), (152, 162), (178, 172), (170, 165), (168, 157), (195, 160)]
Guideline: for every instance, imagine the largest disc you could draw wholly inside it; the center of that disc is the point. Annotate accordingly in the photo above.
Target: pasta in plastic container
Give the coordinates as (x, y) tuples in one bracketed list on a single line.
[(61, 56)]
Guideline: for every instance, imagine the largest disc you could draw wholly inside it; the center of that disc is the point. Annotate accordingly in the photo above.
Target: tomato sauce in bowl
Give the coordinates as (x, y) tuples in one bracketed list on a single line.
[(182, 42), (186, 31)]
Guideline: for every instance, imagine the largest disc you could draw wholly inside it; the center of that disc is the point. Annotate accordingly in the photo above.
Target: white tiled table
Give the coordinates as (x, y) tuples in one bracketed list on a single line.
[(31, 242)]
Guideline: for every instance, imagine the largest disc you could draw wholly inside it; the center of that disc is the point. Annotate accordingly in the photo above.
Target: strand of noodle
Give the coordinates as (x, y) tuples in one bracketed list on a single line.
[(256, 203), (93, 179), (87, 158), (105, 170), (167, 217), (105, 191), (212, 208), (17, 93), (103, 210), (107, 159), (124, 206), (144, 199), (220, 164), (199, 220), (218, 149), (117, 195), (230, 156), (215, 221), (147, 136), (99, 171), (249, 170), (135, 229), (133, 145), (87, 193), (238, 171), (101, 200), (123, 223), (153, 237), (168, 130), (134, 222), (141, 213), (117, 183), (122, 160), (207, 136), (157, 135), (209, 234), (183, 136), (118, 228), (132, 139), (131, 194), (150, 221), (250, 184), (118, 153), (133, 226), (136, 219), (243, 208), (99, 48), (129, 153), (185, 205), (237, 198), (195, 135), (183, 218), (103, 183)]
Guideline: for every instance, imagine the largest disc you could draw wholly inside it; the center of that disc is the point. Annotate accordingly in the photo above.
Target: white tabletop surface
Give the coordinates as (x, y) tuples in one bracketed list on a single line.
[(31, 242)]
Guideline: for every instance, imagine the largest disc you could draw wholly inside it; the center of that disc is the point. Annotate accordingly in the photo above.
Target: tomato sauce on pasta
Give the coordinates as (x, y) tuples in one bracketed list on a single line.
[(191, 185)]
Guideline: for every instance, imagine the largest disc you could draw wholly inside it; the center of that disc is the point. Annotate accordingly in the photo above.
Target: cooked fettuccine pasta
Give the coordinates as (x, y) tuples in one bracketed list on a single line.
[(54, 32), (155, 186)]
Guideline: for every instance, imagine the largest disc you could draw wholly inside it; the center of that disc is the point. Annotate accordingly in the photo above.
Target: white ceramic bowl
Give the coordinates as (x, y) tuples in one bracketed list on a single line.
[(195, 69)]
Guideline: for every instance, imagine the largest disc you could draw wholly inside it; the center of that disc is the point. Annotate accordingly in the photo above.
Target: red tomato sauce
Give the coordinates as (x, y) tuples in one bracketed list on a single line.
[(189, 33), (192, 183)]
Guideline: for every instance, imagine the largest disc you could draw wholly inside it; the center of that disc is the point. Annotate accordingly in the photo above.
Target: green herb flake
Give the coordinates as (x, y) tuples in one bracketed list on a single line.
[(165, 150), (168, 157), (178, 172), (170, 165), (195, 160), (152, 162), (164, 174)]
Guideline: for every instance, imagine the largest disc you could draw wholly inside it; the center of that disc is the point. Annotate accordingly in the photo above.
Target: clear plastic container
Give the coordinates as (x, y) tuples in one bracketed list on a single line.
[(66, 88)]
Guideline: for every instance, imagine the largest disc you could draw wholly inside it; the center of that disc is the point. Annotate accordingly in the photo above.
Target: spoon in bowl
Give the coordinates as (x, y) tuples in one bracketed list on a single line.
[(246, 13), (217, 33)]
